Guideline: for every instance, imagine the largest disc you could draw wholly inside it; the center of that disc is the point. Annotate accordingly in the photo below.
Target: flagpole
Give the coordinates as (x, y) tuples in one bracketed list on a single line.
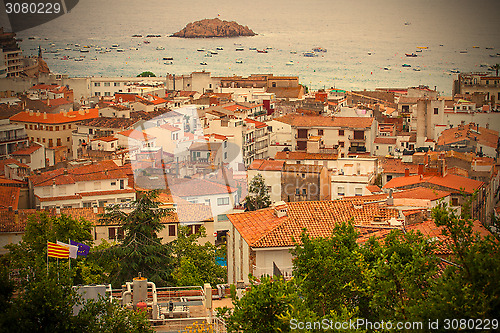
[(47, 258), (69, 257)]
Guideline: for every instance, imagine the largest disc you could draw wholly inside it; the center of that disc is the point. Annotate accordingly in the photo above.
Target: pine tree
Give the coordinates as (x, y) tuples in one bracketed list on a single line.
[(258, 195)]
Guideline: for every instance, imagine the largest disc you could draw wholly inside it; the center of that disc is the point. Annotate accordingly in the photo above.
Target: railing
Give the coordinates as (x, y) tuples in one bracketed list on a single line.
[(13, 138)]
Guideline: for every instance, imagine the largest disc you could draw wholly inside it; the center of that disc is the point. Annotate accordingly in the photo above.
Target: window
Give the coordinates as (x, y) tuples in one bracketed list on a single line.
[(171, 229), (97, 84), (436, 110), (341, 144), (389, 148), (51, 143), (117, 84), (454, 201), (389, 177), (31, 126), (320, 132), (197, 228), (376, 147), (43, 140), (97, 93), (341, 132), (87, 204), (303, 175), (207, 201), (107, 93), (340, 190), (106, 84), (113, 183), (69, 126), (225, 144), (67, 139), (112, 233), (59, 143), (297, 191), (358, 191), (121, 233), (304, 191), (222, 201), (64, 127), (57, 128), (225, 155)]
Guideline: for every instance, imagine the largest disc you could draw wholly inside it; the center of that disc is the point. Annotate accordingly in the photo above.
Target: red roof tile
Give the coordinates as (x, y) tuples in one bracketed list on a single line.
[(27, 151), (266, 165), (257, 124), (385, 140), (137, 135), (296, 155), (55, 118)]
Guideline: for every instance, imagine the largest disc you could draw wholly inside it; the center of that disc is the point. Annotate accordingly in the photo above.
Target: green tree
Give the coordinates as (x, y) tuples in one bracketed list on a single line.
[(141, 250), (468, 288), (195, 263), (147, 74), (258, 195), (330, 271)]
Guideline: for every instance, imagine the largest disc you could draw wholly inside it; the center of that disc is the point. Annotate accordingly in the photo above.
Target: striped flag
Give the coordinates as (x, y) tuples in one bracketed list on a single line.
[(73, 250), (57, 251)]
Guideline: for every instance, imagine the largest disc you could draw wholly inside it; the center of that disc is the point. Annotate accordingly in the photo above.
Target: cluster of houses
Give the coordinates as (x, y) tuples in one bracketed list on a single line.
[(382, 158)]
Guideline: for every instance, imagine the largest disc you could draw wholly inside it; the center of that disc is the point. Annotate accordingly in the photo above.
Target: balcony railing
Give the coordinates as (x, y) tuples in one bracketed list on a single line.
[(13, 138)]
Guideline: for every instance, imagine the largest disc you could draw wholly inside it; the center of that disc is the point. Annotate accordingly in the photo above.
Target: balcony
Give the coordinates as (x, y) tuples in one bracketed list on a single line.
[(13, 138)]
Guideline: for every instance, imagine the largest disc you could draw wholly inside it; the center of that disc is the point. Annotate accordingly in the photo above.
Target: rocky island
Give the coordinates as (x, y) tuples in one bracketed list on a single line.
[(213, 28)]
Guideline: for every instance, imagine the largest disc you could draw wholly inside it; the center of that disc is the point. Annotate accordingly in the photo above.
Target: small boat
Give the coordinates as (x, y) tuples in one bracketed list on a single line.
[(212, 52), (407, 23), (269, 48), (387, 68), (406, 65), (239, 61), (261, 51), (114, 46), (68, 49), (463, 51), (418, 51), (203, 63), (146, 42), (475, 47), (319, 49), (290, 63), (416, 69), (455, 71), (168, 58), (78, 59), (240, 49), (119, 50), (208, 55), (169, 62), (150, 36), (490, 48), (201, 49), (94, 58), (369, 53), (410, 55), (220, 48), (84, 50), (160, 48), (77, 45), (98, 49), (293, 52), (252, 48), (140, 36), (310, 54), (422, 47)]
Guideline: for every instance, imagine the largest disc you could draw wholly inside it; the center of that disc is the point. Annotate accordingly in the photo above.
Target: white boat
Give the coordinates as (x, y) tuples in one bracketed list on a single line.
[(290, 63), (220, 48), (293, 52), (239, 61), (416, 69), (159, 48), (387, 68), (98, 49), (78, 59), (114, 46), (240, 49), (169, 62), (201, 49), (208, 55), (203, 63), (212, 52), (84, 50)]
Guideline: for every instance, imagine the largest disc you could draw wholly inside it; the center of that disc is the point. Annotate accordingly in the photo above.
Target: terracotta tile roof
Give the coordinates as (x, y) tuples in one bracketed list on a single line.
[(137, 135), (95, 193), (43, 86), (235, 107), (56, 102), (297, 120), (183, 187), (55, 118), (8, 161), (205, 146), (93, 172), (216, 136), (421, 193), (263, 228), (12, 182), (296, 155), (257, 124), (391, 165), (469, 132), (302, 168), (27, 151), (385, 140), (453, 182), (9, 197), (10, 223), (373, 188), (109, 122), (105, 139), (59, 198), (266, 165)]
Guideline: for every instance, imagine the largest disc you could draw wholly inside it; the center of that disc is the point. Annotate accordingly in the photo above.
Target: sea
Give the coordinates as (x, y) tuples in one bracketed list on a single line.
[(365, 40)]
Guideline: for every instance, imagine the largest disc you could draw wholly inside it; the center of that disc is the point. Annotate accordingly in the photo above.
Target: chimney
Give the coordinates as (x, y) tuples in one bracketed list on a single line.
[(421, 169), (390, 199), (407, 172), (280, 209), (45, 115)]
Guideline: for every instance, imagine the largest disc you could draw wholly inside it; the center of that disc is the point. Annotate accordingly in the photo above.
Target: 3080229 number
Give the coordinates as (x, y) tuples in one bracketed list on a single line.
[(32, 8), (471, 324)]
